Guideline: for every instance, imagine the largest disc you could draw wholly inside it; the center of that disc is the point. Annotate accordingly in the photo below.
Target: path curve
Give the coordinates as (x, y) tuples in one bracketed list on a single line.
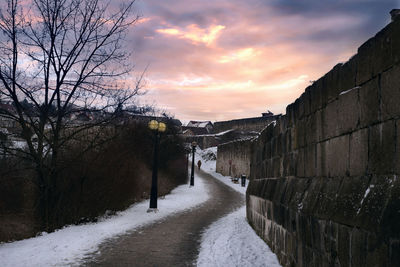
[(173, 241)]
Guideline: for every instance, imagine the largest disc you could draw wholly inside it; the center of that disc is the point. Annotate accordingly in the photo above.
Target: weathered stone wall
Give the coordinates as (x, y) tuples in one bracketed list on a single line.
[(234, 158), (250, 124), (326, 186)]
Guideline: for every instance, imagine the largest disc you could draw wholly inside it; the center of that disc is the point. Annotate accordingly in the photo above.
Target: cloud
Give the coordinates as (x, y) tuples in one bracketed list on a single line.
[(195, 34), (228, 59)]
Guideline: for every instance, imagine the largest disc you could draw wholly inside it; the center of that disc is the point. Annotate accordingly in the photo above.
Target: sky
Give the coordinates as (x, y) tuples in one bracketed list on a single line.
[(228, 59)]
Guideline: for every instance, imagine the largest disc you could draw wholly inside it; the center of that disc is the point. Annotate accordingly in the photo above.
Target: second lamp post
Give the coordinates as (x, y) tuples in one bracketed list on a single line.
[(194, 144), (157, 127)]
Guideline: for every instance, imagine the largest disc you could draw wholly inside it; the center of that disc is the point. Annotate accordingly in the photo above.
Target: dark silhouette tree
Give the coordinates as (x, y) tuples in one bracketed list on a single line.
[(59, 58)]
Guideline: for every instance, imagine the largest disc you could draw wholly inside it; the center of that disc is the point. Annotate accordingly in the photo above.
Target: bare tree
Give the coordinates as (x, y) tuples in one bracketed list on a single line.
[(59, 58)]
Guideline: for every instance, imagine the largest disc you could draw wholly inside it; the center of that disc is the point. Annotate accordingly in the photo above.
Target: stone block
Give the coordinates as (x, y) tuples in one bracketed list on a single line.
[(390, 225), (277, 127), (374, 201), (299, 188), (369, 103), (330, 120), (310, 154), (382, 51), (294, 135), (327, 197), (274, 147), (316, 95), (347, 74), (364, 62), (358, 152), (318, 116), (268, 132), (317, 233), (348, 111), (311, 196), (301, 106), (287, 194), (277, 167), (378, 254), (321, 164), (300, 163), (358, 247), (280, 191), (311, 129), (289, 114), (395, 254), (269, 168), (382, 148), (337, 156), (307, 101), (300, 133), (344, 242), (397, 158), (333, 82), (288, 141), (268, 190), (390, 93), (286, 164), (278, 212), (281, 144), (284, 145), (296, 110), (348, 200), (395, 28), (267, 151)]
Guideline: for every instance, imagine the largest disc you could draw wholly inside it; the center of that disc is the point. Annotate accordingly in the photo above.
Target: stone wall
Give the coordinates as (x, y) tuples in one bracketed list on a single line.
[(326, 188), (233, 158), (256, 124)]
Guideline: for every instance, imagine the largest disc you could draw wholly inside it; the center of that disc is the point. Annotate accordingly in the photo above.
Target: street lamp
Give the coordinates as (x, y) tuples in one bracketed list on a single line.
[(157, 127), (194, 144)]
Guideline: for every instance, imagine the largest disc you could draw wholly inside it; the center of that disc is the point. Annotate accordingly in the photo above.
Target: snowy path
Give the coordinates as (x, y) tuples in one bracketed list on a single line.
[(174, 241), (231, 241)]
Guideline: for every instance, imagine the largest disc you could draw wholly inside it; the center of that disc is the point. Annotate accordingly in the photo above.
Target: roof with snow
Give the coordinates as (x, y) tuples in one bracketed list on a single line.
[(199, 124)]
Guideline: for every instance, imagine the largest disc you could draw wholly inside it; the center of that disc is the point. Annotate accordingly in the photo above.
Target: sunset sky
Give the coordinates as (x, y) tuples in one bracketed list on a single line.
[(226, 59)]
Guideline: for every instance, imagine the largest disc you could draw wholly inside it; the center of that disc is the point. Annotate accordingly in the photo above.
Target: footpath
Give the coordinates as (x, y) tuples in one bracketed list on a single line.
[(173, 241)]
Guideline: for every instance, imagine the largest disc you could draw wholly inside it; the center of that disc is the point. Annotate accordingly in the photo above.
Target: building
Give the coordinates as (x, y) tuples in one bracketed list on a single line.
[(206, 125)]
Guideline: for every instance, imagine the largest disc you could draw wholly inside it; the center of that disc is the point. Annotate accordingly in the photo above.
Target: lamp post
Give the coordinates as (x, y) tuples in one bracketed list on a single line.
[(157, 127), (194, 144)]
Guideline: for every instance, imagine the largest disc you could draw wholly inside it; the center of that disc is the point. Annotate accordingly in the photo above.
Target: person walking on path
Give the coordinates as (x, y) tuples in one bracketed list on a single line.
[(199, 164)]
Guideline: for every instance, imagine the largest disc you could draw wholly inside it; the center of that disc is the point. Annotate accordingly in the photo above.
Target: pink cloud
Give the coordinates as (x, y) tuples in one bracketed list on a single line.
[(230, 59), (194, 33)]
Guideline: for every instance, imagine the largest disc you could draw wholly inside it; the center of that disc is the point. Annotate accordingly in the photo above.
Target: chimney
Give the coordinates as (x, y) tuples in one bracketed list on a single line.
[(395, 14)]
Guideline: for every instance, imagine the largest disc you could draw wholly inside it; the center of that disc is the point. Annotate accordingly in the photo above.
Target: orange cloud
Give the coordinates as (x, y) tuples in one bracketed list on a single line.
[(195, 34), (240, 55), (142, 20)]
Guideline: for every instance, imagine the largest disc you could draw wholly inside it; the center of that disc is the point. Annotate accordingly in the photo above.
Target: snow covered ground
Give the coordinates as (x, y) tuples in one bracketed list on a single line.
[(231, 241), (68, 246)]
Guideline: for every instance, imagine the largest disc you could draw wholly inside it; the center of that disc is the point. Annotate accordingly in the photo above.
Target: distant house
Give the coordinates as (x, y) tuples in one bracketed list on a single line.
[(203, 127), (267, 114), (190, 131)]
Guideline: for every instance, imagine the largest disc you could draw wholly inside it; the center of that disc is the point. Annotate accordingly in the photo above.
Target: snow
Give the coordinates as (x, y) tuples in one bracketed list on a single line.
[(365, 196), (231, 241), (199, 124), (347, 91), (69, 245)]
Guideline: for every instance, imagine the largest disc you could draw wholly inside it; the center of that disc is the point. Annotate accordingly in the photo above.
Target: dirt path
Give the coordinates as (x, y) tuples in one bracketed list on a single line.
[(174, 241)]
